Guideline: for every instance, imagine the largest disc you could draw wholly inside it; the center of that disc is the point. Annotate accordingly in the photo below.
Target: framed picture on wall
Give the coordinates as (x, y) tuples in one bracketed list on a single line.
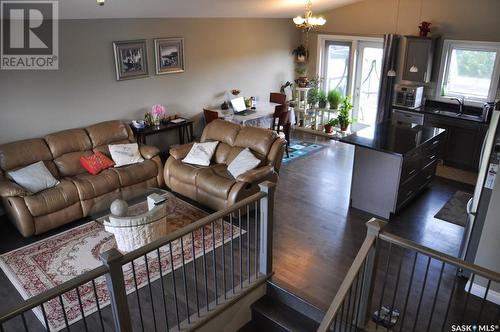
[(169, 55), (131, 59)]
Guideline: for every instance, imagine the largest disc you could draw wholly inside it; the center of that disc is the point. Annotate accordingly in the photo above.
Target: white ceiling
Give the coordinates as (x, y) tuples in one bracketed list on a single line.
[(80, 9)]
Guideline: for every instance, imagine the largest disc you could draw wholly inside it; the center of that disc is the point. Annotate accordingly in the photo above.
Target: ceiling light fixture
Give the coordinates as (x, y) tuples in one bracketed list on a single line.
[(309, 21), (100, 2)]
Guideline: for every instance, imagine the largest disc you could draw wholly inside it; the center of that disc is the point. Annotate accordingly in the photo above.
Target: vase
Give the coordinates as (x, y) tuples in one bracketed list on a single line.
[(156, 120)]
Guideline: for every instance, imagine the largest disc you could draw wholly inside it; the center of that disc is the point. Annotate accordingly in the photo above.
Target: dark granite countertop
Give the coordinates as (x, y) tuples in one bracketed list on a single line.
[(471, 113), (394, 139)]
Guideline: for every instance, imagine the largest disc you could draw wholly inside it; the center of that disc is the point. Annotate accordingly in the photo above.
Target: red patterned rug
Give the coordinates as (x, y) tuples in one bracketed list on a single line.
[(40, 266)]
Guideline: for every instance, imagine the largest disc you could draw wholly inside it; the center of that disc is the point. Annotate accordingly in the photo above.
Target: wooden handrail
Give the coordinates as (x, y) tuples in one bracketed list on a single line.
[(408, 244)]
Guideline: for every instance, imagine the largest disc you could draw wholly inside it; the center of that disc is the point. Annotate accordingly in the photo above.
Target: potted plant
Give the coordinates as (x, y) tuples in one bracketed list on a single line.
[(300, 53), (302, 80), (313, 93), (334, 98), (329, 125), (322, 99), (344, 117)]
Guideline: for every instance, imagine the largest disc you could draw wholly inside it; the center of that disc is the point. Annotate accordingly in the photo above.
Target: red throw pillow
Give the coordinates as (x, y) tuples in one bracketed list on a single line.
[(96, 163)]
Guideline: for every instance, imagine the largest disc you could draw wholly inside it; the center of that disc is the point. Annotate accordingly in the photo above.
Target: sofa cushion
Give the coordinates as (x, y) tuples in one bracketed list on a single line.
[(67, 147), (244, 162), (90, 186), (257, 139), (222, 131), (186, 173), (34, 178), (125, 154), (23, 153), (109, 132), (53, 199), (201, 153), (221, 153), (215, 180), (96, 163), (132, 174)]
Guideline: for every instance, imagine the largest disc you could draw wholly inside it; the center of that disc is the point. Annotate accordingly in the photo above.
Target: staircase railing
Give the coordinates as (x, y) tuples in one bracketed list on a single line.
[(170, 284), (400, 285)]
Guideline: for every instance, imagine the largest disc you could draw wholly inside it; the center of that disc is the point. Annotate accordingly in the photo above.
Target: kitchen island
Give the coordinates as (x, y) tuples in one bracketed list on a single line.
[(392, 164)]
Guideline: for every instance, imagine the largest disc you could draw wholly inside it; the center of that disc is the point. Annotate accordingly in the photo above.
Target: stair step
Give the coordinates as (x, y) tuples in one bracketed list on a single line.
[(270, 314)]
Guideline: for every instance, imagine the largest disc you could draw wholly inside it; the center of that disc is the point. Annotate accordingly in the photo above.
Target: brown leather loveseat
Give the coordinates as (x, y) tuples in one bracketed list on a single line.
[(78, 190), (214, 186)]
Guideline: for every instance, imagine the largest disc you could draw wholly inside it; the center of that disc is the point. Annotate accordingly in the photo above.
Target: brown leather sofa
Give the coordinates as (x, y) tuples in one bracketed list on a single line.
[(78, 190), (214, 186)]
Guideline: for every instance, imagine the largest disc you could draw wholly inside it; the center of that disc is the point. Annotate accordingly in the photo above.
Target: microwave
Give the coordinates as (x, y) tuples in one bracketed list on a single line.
[(408, 96)]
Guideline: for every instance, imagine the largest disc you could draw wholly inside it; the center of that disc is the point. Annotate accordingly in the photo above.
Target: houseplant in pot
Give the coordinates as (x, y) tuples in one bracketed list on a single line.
[(329, 125), (300, 53), (344, 117), (334, 98), (322, 100)]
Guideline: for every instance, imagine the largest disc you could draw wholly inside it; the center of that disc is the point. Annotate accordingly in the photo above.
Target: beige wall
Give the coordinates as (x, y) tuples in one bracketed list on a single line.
[(250, 54), (453, 19)]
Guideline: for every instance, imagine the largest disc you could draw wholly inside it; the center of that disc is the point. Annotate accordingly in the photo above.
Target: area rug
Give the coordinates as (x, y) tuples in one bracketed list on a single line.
[(298, 149), (455, 210), (38, 267)]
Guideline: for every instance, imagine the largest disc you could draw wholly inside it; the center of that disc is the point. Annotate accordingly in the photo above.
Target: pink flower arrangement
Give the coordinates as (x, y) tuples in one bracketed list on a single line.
[(158, 110)]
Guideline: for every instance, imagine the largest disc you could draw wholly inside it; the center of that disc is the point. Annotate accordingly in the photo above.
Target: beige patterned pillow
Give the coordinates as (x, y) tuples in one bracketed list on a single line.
[(243, 162), (125, 154), (201, 153)]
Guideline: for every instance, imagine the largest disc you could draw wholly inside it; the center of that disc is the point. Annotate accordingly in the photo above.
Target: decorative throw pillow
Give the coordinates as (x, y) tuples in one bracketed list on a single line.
[(243, 162), (201, 153), (125, 154), (95, 163), (34, 178)]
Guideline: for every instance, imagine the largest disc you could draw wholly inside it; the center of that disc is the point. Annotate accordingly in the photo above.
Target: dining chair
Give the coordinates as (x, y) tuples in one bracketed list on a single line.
[(281, 120), (210, 115)]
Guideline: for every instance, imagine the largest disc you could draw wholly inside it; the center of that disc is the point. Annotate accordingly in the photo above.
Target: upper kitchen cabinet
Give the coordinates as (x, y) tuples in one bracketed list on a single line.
[(419, 53)]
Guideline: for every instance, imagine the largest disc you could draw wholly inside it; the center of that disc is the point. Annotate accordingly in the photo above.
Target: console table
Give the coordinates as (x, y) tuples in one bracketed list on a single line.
[(185, 130)]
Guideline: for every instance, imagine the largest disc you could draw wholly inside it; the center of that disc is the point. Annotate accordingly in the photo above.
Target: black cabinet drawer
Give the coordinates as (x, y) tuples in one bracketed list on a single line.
[(407, 191), (411, 165)]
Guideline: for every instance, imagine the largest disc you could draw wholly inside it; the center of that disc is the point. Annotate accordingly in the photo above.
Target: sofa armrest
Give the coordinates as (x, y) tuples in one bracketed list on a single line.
[(181, 151), (149, 151), (254, 175), (11, 189)]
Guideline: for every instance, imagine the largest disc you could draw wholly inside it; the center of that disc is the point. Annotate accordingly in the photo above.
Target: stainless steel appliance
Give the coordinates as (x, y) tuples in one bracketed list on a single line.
[(400, 116), (408, 96), (478, 208)]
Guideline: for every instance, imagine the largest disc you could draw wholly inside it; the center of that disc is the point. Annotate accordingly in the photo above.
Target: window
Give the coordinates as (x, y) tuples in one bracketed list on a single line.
[(469, 69), (336, 69)]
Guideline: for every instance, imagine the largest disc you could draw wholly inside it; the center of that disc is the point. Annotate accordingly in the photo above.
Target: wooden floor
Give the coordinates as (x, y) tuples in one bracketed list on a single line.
[(317, 235)]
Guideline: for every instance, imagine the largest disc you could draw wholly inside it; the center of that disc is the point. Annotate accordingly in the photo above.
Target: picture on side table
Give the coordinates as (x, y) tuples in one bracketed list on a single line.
[(131, 59), (169, 55)]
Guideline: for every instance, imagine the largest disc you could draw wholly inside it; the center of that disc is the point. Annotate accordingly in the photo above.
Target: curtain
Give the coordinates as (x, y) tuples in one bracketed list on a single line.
[(391, 50)]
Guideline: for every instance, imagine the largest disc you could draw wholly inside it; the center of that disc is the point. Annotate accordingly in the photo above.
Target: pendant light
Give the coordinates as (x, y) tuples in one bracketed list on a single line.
[(414, 68), (392, 71)]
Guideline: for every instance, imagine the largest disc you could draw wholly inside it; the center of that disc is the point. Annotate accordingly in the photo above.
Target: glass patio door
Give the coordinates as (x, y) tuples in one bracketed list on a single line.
[(367, 81), (337, 66)]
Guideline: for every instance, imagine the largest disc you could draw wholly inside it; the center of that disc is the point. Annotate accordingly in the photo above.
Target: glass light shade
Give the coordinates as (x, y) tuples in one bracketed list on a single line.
[(413, 69), (391, 73), (298, 20), (100, 2)]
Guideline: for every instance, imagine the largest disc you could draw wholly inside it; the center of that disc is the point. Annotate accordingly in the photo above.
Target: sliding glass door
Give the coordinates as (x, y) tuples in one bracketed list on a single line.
[(337, 68)]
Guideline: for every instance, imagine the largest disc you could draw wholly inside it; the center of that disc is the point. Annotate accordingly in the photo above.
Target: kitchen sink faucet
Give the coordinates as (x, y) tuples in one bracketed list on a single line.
[(461, 101)]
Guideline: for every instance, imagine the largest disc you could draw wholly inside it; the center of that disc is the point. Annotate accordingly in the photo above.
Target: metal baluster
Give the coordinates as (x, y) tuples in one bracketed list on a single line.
[(240, 248), (46, 321), (215, 263), (232, 251), (341, 314), (223, 260), (97, 304), (160, 269), (396, 288), (256, 249), (184, 278), (1, 327), (64, 312), (205, 266), (334, 324), (436, 295), (81, 309), (354, 318), (348, 322), (24, 322), (383, 286), (361, 274), (248, 245), (174, 285), (422, 292), (483, 301), (449, 301), (467, 297), (150, 290), (137, 295), (195, 275), (408, 292)]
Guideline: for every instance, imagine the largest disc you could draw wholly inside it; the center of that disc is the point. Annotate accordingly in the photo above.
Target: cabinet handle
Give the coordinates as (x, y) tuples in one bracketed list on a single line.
[(409, 193), (412, 171), (432, 157), (428, 177), (435, 142)]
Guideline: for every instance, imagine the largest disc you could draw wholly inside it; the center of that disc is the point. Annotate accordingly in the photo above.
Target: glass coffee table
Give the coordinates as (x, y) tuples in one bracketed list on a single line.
[(134, 223)]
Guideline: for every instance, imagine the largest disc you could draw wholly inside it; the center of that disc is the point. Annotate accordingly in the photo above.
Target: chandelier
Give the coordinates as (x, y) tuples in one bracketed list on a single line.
[(309, 21)]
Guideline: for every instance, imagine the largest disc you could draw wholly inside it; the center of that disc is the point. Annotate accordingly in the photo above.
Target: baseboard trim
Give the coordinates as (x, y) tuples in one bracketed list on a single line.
[(479, 291)]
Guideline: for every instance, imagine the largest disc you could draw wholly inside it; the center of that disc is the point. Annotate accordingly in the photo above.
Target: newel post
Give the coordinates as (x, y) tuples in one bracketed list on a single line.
[(116, 287), (266, 227), (374, 227)]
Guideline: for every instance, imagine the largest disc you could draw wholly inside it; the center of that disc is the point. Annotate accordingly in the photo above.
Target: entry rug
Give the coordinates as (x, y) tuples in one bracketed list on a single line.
[(455, 210), (45, 264), (299, 149)]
